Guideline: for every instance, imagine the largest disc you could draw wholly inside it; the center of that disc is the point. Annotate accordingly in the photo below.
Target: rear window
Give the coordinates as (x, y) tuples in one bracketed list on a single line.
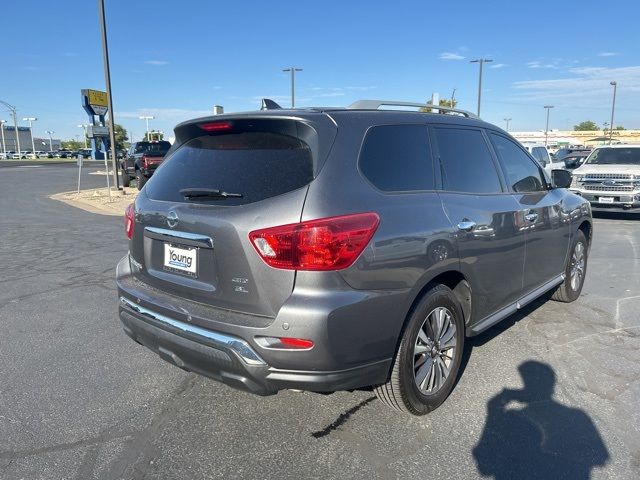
[(257, 165), (397, 158), (160, 148)]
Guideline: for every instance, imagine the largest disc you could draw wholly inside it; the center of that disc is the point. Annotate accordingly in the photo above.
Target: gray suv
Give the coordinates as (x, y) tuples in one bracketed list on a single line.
[(338, 249)]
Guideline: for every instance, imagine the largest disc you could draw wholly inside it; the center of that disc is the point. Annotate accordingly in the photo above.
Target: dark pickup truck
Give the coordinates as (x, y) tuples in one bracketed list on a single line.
[(141, 160)]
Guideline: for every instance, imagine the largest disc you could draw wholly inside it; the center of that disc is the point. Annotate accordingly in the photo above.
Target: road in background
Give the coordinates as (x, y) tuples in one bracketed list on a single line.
[(80, 400)]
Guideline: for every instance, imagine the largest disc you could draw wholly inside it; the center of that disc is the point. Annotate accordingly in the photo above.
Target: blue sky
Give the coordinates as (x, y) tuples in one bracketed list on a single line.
[(175, 60)]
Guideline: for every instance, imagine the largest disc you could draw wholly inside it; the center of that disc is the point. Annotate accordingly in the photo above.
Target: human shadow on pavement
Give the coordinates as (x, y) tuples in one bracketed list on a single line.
[(530, 435)]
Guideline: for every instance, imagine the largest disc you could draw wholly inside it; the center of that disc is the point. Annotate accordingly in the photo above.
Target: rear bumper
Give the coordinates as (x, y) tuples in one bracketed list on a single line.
[(229, 354), (231, 360)]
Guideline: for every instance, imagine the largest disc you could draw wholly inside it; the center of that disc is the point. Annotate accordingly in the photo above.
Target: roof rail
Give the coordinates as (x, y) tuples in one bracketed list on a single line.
[(376, 104)]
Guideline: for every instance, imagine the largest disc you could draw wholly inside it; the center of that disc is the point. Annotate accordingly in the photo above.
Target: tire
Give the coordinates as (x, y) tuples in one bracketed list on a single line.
[(140, 179), (574, 271), (402, 391), (126, 179)]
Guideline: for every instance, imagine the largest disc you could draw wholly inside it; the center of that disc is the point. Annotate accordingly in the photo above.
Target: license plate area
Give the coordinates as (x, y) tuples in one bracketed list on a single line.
[(181, 259), (606, 199)]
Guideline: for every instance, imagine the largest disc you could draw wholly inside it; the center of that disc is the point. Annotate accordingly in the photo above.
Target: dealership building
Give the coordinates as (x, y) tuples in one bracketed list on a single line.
[(24, 136), (590, 138)]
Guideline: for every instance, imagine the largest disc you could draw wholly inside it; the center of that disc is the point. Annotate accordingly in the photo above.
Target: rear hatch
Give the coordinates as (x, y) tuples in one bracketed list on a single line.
[(224, 178)]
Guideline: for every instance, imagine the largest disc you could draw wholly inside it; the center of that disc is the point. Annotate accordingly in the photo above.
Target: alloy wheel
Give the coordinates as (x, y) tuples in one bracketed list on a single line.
[(576, 272)]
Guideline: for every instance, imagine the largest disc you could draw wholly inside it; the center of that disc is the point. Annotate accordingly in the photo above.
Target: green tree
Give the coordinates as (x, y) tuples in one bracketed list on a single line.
[(72, 145), (586, 125), (619, 127), (121, 137)]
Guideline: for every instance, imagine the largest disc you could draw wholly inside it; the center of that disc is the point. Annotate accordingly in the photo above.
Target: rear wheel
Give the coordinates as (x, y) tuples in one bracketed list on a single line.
[(140, 179), (575, 270), (429, 356)]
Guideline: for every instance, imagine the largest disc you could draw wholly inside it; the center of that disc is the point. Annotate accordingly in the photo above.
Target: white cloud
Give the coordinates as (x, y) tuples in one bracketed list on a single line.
[(539, 64), (609, 54), (450, 56), (499, 65), (156, 62), (585, 84)]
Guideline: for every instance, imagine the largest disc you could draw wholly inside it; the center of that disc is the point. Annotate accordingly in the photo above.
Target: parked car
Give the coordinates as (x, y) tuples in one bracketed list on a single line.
[(541, 154), (610, 178), (337, 249), (19, 156), (564, 152), (64, 154), (574, 160), (141, 161)]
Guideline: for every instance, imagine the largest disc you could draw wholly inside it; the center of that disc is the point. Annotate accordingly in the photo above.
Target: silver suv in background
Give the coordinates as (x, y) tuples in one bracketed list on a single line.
[(610, 178), (330, 249)]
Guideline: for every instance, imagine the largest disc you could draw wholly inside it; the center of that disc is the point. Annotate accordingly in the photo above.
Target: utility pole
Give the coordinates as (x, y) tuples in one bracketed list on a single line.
[(613, 108), (508, 120), (480, 61), (51, 132), (293, 71), (31, 119), (4, 144), (107, 81), (546, 131)]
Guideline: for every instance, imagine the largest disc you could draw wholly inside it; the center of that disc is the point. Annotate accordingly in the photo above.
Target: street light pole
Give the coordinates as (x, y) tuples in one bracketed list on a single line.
[(613, 108), (107, 81), (84, 128), (4, 144), (51, 132), (480, 61), (31, 119), (12, 109), (508, 120), (146, 118), (293, 71), (546, 131)]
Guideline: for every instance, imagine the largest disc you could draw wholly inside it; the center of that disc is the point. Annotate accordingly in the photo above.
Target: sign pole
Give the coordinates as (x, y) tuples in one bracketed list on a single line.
[(107, 78), (79, 171)]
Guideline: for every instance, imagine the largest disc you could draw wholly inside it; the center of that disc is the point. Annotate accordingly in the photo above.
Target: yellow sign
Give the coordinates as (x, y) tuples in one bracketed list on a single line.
[(97, 98)]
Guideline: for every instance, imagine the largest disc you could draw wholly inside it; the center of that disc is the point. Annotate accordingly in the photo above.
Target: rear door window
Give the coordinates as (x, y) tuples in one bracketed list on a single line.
[(256, 165), (466, 162), (397, 158), (523, 175)]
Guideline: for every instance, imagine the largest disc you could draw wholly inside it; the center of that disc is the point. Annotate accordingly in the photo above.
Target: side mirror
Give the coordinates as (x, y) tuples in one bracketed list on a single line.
[(561, 178)]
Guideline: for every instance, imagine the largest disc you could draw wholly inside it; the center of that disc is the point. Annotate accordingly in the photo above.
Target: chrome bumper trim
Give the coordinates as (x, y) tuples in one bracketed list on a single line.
[(237, 345)]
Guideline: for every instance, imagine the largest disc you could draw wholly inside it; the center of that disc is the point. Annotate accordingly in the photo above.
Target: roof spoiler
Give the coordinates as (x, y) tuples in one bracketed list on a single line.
[(268, 104)]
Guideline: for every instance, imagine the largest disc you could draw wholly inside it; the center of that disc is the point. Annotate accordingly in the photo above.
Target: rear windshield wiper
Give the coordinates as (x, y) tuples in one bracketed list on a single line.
[(207, 193)]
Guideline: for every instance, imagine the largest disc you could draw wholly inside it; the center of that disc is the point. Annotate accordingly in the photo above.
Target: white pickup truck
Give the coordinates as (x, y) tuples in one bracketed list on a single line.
[(610, 178)]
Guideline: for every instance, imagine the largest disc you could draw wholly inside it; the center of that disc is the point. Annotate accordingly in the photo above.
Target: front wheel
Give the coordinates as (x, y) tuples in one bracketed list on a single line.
[(429, 356), (575, 270)]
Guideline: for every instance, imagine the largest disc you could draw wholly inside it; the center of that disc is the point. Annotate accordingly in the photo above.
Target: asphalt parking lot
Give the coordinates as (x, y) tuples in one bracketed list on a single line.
[(80, 400)]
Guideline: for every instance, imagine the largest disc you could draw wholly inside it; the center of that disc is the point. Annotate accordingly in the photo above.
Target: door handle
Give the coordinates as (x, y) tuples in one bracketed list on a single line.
[(466, 225), (531, 216)]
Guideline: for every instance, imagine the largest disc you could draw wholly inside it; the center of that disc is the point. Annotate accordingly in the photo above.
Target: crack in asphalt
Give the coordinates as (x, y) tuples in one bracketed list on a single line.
[(342, 418)]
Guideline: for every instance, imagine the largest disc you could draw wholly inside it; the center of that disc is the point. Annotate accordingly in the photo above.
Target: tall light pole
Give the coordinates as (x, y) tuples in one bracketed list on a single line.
[(613, 108), (30, 120), (12, 109), (481, 61), (107, 81), (146, 118), (293, 71), (4, 145), (51, 132), (546, 130), (508, 120), (84, 127)]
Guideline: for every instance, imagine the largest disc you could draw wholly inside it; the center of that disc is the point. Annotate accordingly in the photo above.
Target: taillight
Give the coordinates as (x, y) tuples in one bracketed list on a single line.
[(284, 343), (326, 244), (129, 220), (145, 161)]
